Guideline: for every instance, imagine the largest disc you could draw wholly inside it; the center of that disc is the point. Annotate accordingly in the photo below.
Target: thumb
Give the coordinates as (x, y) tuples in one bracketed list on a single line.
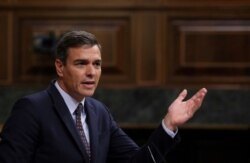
[(182, 95)]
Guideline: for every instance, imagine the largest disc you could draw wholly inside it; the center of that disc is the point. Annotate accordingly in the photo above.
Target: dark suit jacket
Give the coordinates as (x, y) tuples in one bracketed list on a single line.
[(40, 129)]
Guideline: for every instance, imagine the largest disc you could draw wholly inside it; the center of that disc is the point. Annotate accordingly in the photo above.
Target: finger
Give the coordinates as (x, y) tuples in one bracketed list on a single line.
[(202, 94), (204, 91), (196, 101), (182, 95), (199, 96)]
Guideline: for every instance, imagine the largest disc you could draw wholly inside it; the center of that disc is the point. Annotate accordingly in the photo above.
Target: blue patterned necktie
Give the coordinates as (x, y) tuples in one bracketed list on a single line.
[(80, 129)]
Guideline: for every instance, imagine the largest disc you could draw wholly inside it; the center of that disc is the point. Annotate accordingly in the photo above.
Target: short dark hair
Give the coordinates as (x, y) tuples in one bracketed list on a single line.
[(74, 39)]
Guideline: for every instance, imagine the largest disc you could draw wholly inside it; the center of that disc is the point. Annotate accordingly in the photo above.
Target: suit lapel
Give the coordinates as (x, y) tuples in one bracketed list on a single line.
[(93, 130), (66, 118)]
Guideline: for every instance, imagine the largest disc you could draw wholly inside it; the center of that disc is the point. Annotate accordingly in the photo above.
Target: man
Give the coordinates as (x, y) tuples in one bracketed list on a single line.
[(46, 127)]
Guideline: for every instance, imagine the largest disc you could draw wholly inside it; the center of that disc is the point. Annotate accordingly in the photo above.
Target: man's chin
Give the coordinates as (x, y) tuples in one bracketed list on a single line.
[(88, 94)]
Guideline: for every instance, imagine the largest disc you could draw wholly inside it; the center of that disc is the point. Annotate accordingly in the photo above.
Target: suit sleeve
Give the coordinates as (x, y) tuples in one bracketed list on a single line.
[(157, 147), (124, 150), (20, 134)]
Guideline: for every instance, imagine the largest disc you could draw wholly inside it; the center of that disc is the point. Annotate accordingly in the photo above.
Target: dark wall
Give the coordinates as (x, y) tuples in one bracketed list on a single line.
[(147, 106)]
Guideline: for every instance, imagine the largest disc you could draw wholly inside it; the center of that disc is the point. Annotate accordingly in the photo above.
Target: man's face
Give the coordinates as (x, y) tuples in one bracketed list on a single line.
[(80, 75)]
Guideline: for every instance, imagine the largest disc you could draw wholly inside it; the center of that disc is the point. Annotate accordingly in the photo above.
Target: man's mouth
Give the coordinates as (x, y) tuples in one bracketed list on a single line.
[(88, 83)]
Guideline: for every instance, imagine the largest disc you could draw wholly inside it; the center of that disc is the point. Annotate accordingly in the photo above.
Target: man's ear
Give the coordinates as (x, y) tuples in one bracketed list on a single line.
[(59, 67)]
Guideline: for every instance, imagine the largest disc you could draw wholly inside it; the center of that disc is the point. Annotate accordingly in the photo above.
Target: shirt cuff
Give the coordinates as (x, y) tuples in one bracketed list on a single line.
[(168, 131)]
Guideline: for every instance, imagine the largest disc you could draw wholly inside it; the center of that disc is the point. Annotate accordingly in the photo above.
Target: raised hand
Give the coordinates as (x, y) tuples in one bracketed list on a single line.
[(181, 111)]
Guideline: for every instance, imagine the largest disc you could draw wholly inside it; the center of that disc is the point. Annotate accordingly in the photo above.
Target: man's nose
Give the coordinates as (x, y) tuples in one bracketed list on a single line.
[(90, 70)]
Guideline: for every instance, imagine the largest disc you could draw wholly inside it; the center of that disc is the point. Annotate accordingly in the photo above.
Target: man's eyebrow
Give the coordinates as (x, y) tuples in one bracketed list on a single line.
[(98, 60), (86, 60), (80, 60)]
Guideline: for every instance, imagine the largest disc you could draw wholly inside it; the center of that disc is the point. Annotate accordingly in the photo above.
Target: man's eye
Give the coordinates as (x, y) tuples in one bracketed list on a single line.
[(80, 63), (97, 64)]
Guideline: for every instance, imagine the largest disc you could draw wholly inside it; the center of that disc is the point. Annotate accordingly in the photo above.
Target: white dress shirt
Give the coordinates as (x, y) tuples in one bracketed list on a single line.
[(72, 105)]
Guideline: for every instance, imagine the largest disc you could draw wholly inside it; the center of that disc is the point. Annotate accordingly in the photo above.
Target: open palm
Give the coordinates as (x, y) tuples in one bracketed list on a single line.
[(181, 111)]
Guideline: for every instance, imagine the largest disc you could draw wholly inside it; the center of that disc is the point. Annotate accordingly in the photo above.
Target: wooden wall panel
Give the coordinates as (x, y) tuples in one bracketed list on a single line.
[(145, 43), (66, 4), (122, 2), (112, 30), (209, 52), (148, 48), (4, 1), (5, 56), (206, 3)]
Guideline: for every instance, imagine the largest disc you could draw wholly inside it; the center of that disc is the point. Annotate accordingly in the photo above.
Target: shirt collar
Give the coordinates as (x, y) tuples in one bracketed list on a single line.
[(70, 101)]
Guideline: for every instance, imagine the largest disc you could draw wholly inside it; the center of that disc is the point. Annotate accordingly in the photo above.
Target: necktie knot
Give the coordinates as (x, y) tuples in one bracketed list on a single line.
[(79, 109)]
